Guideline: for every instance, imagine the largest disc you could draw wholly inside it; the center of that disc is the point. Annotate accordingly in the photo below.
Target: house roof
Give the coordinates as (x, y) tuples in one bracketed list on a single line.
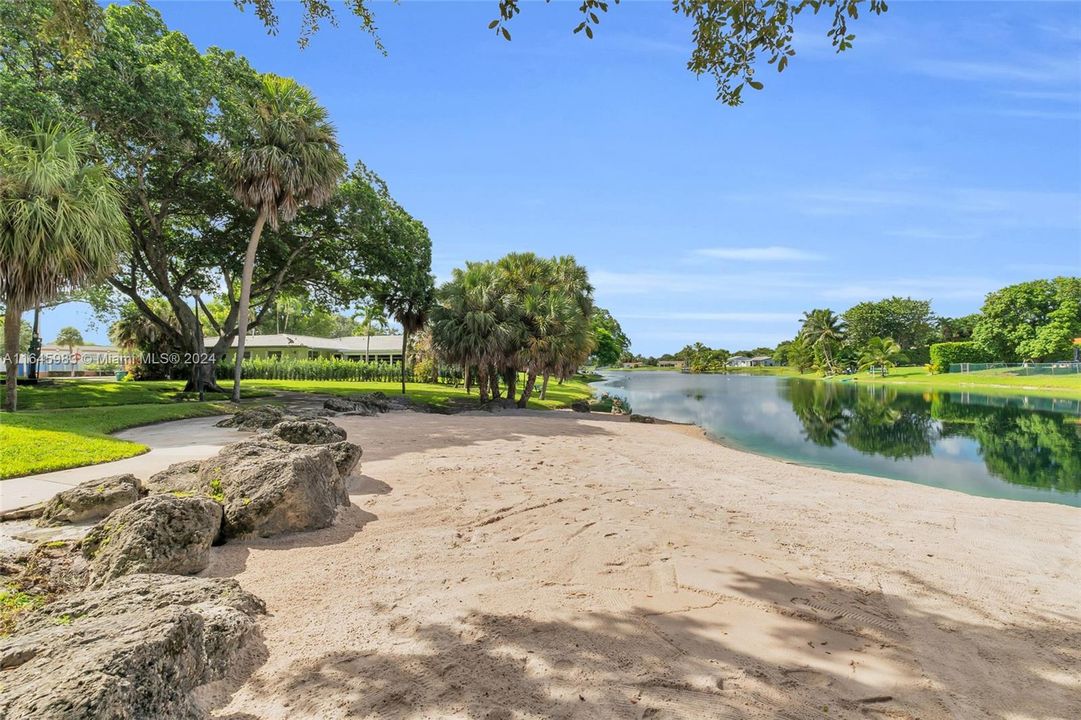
[(738, 357), (761, 357), (354, 345)]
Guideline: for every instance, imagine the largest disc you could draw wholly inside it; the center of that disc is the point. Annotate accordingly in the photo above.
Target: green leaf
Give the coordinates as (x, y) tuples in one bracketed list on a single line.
[(506, 33), (492, 24), (755, 84)]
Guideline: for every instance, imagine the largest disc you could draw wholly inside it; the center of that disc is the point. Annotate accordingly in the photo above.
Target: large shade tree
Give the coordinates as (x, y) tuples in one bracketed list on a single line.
[(285, 157), (60, 225)]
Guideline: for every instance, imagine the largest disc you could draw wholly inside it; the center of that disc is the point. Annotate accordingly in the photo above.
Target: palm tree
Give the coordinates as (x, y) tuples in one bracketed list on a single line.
[(288, 158), (824, 330), (372, 317), (471, 322), (70, 337), (61, 225), (881, 352), (409, 303)]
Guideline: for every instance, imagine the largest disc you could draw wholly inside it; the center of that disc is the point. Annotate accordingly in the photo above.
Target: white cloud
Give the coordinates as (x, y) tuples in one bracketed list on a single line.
[(772, 253)]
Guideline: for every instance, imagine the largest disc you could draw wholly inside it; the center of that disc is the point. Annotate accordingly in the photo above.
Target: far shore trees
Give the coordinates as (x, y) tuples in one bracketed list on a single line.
[(60, 225)]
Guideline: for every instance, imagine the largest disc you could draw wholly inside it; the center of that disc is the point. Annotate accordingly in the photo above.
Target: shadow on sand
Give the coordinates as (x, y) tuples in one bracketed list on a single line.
[(640, 665)]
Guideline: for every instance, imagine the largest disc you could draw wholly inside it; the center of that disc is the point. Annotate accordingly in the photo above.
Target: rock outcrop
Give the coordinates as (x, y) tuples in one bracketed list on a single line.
[(256, 417), (346, 457), (158, 534), (136, 648), (308, 432), (581, 406), (91, 500), (636, 418)]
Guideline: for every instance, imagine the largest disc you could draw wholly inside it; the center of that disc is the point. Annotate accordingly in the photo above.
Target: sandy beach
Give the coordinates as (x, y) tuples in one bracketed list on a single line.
[(551, 565)]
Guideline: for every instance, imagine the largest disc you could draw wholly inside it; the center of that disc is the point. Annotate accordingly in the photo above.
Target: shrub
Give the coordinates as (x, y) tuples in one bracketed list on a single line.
[(947, 353), (268, 369)]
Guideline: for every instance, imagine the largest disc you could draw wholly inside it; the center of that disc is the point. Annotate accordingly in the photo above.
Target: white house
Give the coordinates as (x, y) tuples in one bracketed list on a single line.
[(281, 346), (739, 361), (761, 361)]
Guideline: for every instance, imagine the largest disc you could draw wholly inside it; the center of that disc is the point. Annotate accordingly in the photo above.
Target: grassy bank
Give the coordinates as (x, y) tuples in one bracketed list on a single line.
[(76, 393), (44, 440), (1005, 381), (991, 382), (67, 423), (558, 396)]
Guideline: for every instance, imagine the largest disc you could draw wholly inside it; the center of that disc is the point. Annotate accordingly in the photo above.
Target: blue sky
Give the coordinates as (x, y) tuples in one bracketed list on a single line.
[(939, 158)]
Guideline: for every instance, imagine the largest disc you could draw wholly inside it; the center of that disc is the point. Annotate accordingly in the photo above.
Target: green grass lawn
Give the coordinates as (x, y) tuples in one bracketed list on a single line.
[(67, 423), (431, 394), (42, 440), (76, 392), (1004, 381)]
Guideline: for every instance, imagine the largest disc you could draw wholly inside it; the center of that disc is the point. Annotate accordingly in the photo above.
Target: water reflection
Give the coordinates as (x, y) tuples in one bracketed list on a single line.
[(1024, 448)]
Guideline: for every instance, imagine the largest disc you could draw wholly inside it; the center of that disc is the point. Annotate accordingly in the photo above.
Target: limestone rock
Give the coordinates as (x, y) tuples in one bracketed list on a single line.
[(346, 457), (581, 406), (91, 500), (335, 404), (159, 534), (636, 418), (256, 417), (135, 648), (182, 477), (308, 432), (269, 487)]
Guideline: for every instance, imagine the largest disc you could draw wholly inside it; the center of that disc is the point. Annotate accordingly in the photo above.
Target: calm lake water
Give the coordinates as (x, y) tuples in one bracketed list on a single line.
[(1004, 447)]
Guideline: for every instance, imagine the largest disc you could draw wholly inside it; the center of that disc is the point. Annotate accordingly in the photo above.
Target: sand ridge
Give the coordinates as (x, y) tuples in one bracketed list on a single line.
[(552, 565)]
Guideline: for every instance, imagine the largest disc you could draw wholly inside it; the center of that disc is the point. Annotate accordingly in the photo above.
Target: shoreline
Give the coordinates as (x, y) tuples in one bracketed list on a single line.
[(1064, 392), (528, 564)]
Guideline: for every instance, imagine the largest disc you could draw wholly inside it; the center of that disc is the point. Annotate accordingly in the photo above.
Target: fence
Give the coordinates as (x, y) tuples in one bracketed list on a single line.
[(1020, 369)]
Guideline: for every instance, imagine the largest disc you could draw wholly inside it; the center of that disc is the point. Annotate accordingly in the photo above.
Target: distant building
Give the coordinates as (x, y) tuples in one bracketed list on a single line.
[(84, 360), (632, 364), (670, 363), (383, 348), (738, 361), (761, 361)]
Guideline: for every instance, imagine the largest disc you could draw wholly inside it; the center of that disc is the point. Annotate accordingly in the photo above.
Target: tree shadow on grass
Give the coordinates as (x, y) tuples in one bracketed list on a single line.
[(686, 663)]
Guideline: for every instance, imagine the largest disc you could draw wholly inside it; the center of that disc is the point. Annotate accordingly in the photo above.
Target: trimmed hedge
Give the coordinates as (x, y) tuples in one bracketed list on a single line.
[(265, 369), (947, 353)]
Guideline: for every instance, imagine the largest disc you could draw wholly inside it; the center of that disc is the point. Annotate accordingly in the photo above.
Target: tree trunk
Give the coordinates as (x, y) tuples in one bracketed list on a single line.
[(530, 381), (510, 377), (468, 380), (493, 380), (368, 349), (12, 321), (544, 387), (405, 342), (32, 362), (71, 357), (482, 384), (245, 299)]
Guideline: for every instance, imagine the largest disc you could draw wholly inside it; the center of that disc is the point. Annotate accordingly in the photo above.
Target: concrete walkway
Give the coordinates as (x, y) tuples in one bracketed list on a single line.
[(169, 442)]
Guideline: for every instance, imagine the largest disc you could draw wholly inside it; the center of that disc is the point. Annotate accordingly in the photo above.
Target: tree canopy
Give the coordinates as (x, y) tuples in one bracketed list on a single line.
[(732, 40), (522, 313), (167, 119), (1035, 320)]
